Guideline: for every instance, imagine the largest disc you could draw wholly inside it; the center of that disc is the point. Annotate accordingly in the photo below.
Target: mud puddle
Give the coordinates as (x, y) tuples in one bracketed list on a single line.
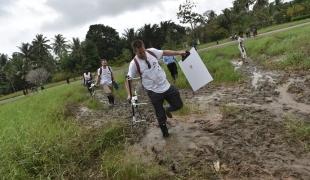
[(287, 99), (260, 76)]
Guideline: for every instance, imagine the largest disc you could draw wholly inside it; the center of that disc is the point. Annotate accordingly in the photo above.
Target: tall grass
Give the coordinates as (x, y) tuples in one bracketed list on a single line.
[(39, 138), (292, 47)]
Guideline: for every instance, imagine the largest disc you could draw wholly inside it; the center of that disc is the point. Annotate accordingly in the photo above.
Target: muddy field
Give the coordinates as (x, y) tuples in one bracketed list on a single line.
[(232, 132)]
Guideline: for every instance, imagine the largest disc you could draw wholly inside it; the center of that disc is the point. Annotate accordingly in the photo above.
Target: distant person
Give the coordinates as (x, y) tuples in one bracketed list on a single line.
[(145, 64), (254, 31), (68, 80), (88, 78), (242, 47), (170, 61), (248, 33), (105, 80)]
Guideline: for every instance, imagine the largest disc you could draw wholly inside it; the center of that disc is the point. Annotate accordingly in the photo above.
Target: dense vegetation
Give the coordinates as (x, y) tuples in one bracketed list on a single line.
[(62, 58)]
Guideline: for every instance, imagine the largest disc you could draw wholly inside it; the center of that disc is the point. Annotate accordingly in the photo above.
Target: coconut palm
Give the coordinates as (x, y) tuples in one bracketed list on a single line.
[(40, 51), (60, 46)]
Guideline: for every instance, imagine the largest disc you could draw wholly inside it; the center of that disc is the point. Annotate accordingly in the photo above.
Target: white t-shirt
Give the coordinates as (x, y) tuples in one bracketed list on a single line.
[(241, 42), (153, 79), (106, 76), (87, 76)]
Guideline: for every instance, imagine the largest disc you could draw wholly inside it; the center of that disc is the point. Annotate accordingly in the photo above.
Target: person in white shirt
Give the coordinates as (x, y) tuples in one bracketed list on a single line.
[(145, 64), (87, 77), (242, 47), (105, 80)]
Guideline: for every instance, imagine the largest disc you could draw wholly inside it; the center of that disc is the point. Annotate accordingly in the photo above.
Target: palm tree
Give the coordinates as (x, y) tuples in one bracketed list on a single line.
[(60, 46), (76, 44), (76, 52), (25, 52), (25, 56), (40, 49)]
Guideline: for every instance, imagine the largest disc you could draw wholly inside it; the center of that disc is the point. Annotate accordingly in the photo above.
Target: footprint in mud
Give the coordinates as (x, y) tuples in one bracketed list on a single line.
[(190, 145)]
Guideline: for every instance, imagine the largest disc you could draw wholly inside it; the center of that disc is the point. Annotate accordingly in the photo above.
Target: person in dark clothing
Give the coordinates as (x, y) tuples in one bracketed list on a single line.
[(170, 61)]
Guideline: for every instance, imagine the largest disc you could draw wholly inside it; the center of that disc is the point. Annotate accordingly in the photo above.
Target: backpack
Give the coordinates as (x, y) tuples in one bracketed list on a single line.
[(137, 64), (100, 73)]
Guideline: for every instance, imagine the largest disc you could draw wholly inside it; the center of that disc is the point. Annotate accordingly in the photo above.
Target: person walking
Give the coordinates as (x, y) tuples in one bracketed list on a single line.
[(145, 64), (242, 47), (105, 79), (170, 61), (87, 77)]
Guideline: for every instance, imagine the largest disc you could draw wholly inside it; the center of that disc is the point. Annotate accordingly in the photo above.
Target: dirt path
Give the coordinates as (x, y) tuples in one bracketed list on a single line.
[(235, 132), (232, 132)]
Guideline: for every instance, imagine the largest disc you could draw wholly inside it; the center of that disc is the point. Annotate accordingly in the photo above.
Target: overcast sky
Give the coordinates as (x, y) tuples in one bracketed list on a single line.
[(21, 20)]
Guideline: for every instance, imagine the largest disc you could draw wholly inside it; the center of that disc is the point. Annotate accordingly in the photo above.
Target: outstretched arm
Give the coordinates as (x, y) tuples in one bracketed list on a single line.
[(173, 53)]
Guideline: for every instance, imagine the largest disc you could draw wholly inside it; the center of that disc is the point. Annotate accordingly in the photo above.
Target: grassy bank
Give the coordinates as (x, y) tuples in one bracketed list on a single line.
[(288, 50), (260, 31), (40, 139), (36, 134)]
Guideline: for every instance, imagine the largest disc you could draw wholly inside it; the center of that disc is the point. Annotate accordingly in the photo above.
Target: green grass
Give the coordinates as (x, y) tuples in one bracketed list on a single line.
[(50, 85), (299, 130), (285, 50), (263, 30), (281, 26), (40, 139)]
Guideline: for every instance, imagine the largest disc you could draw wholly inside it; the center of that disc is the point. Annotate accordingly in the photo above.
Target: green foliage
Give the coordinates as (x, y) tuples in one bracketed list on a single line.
[(61, 76), (106, 40), (91, 60)]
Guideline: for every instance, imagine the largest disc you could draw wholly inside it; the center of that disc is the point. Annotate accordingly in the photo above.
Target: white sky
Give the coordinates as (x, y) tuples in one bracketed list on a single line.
[(21, 20)]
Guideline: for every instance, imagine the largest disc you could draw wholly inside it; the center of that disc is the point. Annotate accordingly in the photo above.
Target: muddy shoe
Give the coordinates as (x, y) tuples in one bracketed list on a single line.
[(164, 130)]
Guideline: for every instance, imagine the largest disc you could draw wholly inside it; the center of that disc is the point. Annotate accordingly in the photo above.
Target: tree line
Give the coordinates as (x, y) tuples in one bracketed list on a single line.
[(59, 58)]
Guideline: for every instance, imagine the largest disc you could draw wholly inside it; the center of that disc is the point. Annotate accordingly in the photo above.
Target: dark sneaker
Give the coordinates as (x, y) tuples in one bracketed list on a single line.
[(164, 130), (168, 114)]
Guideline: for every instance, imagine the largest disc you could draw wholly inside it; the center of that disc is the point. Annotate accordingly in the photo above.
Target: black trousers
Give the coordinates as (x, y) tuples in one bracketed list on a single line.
[(88, 85), (172, 96), (173, 70)]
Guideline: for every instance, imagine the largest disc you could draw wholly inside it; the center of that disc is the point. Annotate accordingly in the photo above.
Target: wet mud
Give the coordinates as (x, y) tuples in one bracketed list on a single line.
[(231, 132)]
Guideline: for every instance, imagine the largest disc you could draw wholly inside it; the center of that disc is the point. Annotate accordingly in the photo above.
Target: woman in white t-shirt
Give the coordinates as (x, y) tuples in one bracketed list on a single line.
[(105, 80)]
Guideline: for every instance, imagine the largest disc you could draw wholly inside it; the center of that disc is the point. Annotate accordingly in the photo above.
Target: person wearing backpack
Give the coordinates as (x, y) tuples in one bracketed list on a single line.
[(87, 77), (105, 79), (145, 64)]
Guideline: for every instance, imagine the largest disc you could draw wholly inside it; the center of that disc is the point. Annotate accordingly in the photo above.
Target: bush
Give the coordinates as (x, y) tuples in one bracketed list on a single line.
[(297, 18), (61, 76)]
